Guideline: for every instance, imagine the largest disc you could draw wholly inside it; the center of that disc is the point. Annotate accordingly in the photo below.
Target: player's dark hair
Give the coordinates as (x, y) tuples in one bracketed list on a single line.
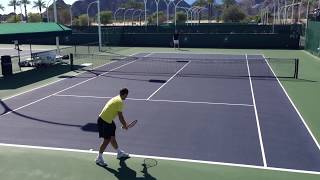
[(124, 91)]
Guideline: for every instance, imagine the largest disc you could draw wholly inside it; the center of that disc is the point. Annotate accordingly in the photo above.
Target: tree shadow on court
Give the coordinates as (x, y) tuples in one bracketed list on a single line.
[(126, 173), (28, 77), (23, 78)]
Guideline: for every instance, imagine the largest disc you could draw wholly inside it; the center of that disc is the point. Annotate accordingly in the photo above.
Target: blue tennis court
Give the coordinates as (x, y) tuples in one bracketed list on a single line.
[(208, 107)]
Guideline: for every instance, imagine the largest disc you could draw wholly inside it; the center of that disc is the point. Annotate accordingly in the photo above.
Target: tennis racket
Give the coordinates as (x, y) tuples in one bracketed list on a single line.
[(130, 125)]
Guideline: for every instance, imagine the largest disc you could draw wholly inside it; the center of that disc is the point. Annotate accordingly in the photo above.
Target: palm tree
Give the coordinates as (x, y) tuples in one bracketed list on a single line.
[(228, 3), (25, 3), (1, 8), (14, 3), (39, 4)]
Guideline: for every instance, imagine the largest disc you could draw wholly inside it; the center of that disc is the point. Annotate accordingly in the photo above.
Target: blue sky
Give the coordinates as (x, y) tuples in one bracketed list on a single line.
[(30, 9)]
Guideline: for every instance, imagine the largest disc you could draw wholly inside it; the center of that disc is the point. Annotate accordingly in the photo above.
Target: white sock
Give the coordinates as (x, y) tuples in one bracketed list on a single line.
[(100, 156), (118, 150)]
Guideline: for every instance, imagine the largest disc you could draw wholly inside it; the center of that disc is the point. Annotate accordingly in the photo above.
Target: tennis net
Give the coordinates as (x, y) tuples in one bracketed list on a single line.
[(190, 66)]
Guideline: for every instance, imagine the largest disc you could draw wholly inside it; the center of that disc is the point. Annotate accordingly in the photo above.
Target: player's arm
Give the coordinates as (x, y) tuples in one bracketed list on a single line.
[(123, 122)]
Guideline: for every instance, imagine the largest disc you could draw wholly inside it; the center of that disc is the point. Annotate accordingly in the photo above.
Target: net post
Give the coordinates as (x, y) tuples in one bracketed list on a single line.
[(71, 62), (296, 69)]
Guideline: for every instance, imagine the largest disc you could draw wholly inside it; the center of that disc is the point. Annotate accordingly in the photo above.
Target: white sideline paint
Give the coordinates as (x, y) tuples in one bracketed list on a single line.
[(294, 106), (257, 117), (164, 158)]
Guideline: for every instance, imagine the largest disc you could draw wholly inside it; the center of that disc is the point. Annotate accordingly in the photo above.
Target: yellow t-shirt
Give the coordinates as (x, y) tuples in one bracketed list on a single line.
[(111, 109)]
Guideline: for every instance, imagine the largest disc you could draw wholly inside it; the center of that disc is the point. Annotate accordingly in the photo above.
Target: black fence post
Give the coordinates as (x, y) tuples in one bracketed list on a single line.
[(71, 62)]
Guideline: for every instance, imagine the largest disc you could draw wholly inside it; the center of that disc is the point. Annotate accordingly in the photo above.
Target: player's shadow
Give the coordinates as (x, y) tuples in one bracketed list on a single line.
[(126, 173)]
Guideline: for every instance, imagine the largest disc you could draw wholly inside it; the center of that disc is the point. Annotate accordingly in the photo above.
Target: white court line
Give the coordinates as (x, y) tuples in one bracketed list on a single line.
[(168, 80), (257, 117), (294, 106), (65, 89), (201, 53), (56, 81), (164, 158), (27, 49), (158, 100)]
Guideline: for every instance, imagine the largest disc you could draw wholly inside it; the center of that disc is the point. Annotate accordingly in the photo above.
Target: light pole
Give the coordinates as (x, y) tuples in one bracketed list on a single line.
[(278, 10), (285, 14), (99, 21), (292, 12), (168, 2), (56, 21), (274, 15), (99, 26), (285, 11), (88, 11), (115, 14), (157, 4), (48, 11), (145, 12), (124, 15)]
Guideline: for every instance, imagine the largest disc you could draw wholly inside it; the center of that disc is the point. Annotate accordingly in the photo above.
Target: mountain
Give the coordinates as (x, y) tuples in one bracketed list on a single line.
[(80, 7)]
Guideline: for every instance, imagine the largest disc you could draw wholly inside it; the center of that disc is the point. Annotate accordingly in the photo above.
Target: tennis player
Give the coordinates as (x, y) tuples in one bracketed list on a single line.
[(107, 127), (175, 39)]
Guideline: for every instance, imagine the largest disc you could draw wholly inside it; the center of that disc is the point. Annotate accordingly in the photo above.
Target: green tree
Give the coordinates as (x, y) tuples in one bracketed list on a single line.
[(39, 4), (132, 4), (14, 19), (233, 14), (181, 17), (228, 3), (218, 10), (1, 8), (83, 20), (34, 17), (14, 4), (25, 3), (106, 17), (153, 18), (75, 21), (64, 16), (201, 3)]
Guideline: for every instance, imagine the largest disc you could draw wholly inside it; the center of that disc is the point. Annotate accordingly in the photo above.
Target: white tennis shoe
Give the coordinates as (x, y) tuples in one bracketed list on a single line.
[(100, 161), (122, 154)]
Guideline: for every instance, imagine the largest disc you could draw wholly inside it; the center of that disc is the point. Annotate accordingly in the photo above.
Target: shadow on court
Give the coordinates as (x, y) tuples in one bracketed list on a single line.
[(24, 78), (7, 110), (126, 173), (91, 127)]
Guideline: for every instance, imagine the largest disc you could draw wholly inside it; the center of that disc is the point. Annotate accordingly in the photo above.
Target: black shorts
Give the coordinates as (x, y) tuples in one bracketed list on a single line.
[(105, 129)]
